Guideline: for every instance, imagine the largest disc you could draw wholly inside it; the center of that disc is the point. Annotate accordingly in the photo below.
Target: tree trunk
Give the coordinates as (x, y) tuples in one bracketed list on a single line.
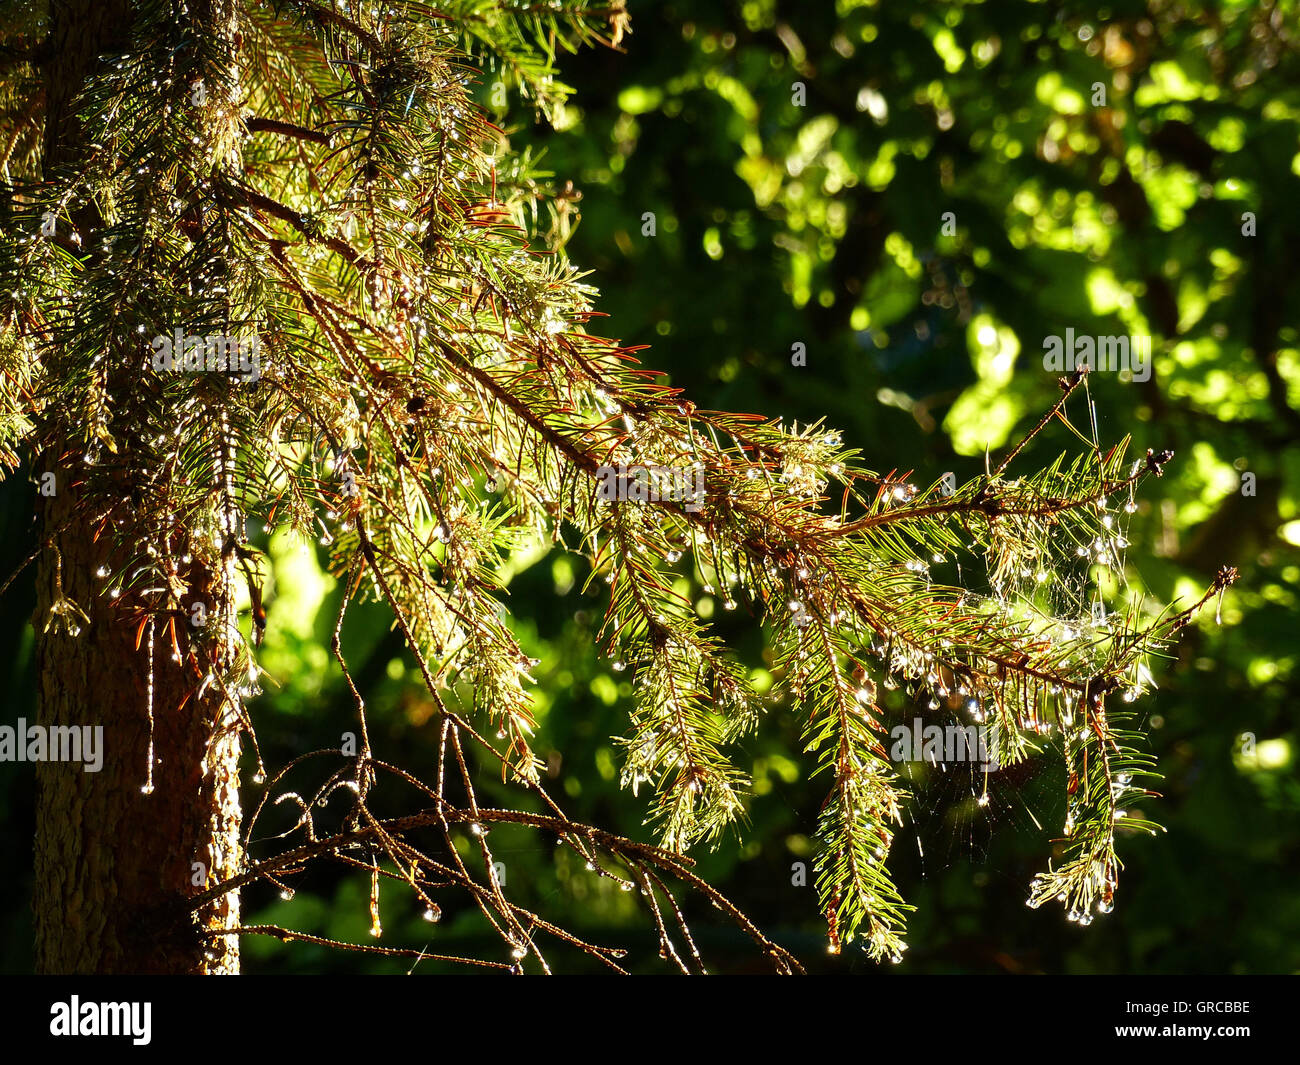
[(115, 861), (119, 852)]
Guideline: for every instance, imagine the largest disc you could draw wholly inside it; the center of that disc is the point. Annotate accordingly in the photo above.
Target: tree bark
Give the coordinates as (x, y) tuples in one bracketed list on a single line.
[(120, 852), (115, 861)]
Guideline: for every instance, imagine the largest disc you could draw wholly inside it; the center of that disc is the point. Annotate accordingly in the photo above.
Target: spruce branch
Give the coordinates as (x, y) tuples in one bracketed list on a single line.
[(430, 399)]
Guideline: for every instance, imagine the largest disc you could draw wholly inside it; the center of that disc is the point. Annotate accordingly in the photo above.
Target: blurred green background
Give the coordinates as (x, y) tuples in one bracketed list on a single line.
[(815, 216)]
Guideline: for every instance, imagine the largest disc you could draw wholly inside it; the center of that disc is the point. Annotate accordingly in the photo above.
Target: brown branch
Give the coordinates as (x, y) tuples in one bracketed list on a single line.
[(256, 124), (1068, 386), (251, 198), (288, 935)]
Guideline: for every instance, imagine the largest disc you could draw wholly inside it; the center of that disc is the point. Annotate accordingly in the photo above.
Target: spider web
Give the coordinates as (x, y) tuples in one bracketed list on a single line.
[(955, 810)]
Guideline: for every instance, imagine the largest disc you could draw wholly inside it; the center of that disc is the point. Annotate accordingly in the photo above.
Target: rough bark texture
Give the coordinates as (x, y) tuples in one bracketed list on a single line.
[(117, 860), (114, 865)]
